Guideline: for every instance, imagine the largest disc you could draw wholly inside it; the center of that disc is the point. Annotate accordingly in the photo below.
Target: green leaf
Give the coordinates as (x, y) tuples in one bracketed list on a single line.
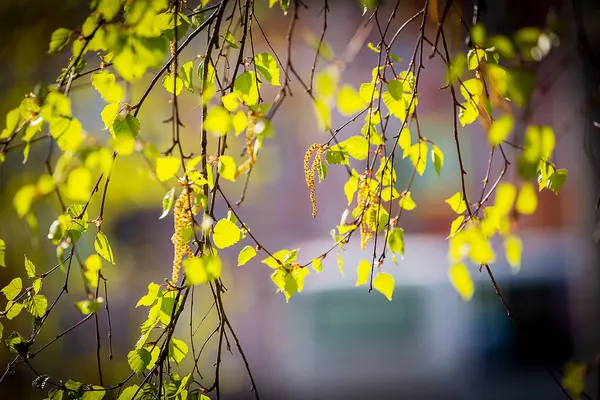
[(384, 283), (457, 202), (283, 256), (513, 248), (129, 392), (177, 350), (138, 359), (29, 268), (438, 159), (89, 306), (368, 92), (2, 253), (227, 168), (326, 83), (362, 273), (527, 199), (506, 194), (460, 277), (148, 299), (167, 203), (217, 120), (239, 121), (59, 40), (455, 225), (36, 305), (103, 248), (125, 126), (468, 114), (267, 65), (418, 156), (13, 309), (356, 146), (96, 394), (173, 83), (405, 141), (67, 131), (317, 264), (395, 240), (105, 83), (246, 254), (246, 86), (478, 33), (226, 234), (406, 202), (13, 289), (349, 101), (187, 76), (396, 89), (503, 46), (475, 57), (555, 183), (231, 103), (108, 115), (166, 167), (501, 128), (203, 269), (37, 285)]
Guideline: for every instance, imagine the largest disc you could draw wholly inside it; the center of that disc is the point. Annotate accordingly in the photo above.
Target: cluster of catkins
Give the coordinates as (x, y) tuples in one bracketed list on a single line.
[(183, 211), (367, 202)]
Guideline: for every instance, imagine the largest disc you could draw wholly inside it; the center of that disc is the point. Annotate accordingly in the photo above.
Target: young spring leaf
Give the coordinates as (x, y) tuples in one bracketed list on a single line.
[(226, 234), (513, 248), (267, 65), (396, 240), (362, 273), (461, 280), (29, 268), (177, 350), (438, 159), (245, 255), (406, 202), (59, 40), (2, 252), (138, 359), (167, 203), (457, 203), (105, 83), (384, 283), (166, 167), (36, 305), (527, 200), (103, 248), (501, 128), (13, 288)]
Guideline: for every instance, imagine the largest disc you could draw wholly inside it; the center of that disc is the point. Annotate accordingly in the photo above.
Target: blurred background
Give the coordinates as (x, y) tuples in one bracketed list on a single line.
[(333, 340)]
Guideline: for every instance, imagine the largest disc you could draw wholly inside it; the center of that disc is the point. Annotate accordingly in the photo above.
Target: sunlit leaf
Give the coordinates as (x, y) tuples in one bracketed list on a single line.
[(105, 83), (29, 268), (246, 254), (149, 298), (173, 83), (203, 269), (506, 194), (227, 168), (166, 167), (323, 113), (103, 248), (527, 200), (267, 65), (217, 120), (89, 306), (317, 264), (501, 128), (2, 253), (246, 87), (384, 283), (396, 240), (349, 101), (556, 180), (177, 350), (457, 202), (462, 281), (13, 289), (418, 156), (438, 159), (362, 273), (167, 203), (138, 359), (356, 146), (36, 305), (406, 202), (59, 40), (226, 234), (514, 249), (455, 225)]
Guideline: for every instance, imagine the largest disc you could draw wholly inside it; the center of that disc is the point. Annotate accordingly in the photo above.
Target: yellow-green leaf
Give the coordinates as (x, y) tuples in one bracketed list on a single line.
[(356, 146), (204, 269), (166, 167), (462, 281), (438, 159), (505, 197), (349, 101), (13, 288), (227, 168), (2, 253), (217, 120), (396, 240), (103, 248), (247, 87), (323, 114), (246, 254), (226, 234), (173, 83), (384, 283), (501, 128), (106, 84), (59, 40), (230, 102), (362, 273), (514, 250), (418, 156), (406, 202), (457, 203), (29, 268), (527, 199), (239, 121), (455, 225), (267, 65), (36, 305), (317, 264)]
